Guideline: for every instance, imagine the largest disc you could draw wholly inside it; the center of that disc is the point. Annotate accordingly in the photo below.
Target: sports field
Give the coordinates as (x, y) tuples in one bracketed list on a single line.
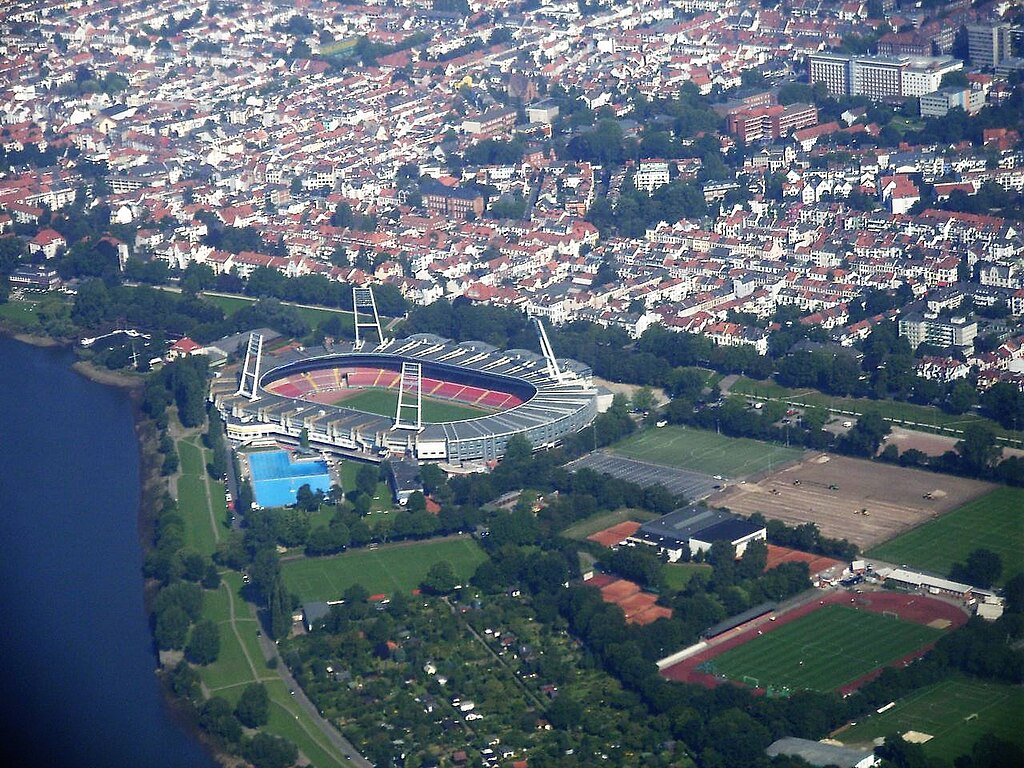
[(942, 711), (706, 451), (398, 567), (591, 525), (823, 650), (383, 402), (993, 521)]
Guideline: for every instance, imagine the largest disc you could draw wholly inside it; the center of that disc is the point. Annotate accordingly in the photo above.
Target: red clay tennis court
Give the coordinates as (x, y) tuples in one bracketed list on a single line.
[(611, 537)]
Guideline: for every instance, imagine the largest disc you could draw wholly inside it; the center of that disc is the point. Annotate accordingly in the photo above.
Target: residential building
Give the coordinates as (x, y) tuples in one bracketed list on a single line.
[(939, 103), (988, 45), (651, 174), (931, 329)]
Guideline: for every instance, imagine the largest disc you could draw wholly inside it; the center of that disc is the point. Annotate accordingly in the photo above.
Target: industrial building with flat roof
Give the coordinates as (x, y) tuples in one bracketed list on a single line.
[(695, 529)]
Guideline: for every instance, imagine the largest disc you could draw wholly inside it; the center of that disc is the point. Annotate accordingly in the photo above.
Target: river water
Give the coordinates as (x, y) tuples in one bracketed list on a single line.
[(77, 683)]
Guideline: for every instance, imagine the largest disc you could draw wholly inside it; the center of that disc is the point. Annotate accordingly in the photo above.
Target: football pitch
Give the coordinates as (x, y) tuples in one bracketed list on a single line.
[(822, 651), (384, 402), (955, 713), (993, 522), (705, 451), (385, 570)]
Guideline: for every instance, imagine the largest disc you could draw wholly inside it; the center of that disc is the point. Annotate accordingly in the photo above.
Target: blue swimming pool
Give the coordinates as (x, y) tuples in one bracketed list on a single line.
[(276, 478)]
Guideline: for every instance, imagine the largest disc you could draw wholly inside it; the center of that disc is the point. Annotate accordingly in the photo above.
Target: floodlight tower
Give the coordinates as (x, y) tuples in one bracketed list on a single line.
[(549, 355), (410, 398), (364, 304), (247, 385)]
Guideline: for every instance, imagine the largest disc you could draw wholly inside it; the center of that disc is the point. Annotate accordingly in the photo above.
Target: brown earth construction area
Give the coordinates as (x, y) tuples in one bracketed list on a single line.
[(861, 501)]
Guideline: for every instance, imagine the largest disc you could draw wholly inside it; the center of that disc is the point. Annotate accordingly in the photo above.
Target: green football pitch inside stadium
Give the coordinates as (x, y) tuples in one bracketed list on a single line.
[(705, 451), (823, 650), (992, 522), (384, 570), (384, 402)]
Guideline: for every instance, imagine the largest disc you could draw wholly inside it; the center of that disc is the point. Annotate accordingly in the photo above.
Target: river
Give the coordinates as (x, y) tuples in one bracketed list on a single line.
[(77, 681)]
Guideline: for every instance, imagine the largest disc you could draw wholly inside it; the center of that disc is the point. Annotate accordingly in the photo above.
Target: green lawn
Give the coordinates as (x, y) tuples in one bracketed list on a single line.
[(678, 575), (348, 470), (20, 315), (824, 650), (312, 315), (384, 402), (995, 522), (705, 451), (922, 417), (591, 525), (381, 571), (195, 495), (940, 710)]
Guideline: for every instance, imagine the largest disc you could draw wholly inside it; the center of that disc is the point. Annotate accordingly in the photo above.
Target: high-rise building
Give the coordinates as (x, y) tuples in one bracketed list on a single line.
[(924, 74), (832, 69), (880, 77), (988, 44), (877, 77)]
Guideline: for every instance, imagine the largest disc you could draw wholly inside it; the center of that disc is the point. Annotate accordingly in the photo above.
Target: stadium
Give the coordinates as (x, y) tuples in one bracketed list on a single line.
[(480, 397)]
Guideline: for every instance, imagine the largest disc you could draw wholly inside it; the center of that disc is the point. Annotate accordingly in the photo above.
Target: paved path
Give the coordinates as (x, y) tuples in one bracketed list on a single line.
[(338, 741)]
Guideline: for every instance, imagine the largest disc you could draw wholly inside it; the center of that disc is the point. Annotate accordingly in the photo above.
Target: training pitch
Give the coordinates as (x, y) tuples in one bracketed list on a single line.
[(705, 451), (385, 570), (823, 650), (384, 402), (993, 522), (955, 713), (864, 502)]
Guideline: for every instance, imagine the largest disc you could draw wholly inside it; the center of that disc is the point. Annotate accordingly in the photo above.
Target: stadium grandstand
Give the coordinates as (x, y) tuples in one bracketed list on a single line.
[(517, 392)]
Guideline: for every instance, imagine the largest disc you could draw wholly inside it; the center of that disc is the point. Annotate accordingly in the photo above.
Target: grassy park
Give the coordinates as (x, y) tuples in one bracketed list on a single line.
[(241, 660), (200, 499), (955, 713), (385, 570), (678, 575), (992, 522), (312, 315), (705, 451), (826, 649), (921, 417), (384, 402)]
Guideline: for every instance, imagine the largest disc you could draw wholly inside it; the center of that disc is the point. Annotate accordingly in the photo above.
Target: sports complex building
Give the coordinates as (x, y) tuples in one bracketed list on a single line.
[(303, 392)]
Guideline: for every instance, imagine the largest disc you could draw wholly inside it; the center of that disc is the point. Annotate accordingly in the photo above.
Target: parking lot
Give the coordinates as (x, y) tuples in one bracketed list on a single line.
[(682, 482)]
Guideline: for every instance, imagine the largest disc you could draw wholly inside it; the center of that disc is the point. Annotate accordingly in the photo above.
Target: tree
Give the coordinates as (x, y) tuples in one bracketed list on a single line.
[(643, 399), (367, 478), (253, 708), (266, 751), (204, 644), (982, 569), (978, 450), (440, 579), (171, 628), (216, 717), (184, 681)]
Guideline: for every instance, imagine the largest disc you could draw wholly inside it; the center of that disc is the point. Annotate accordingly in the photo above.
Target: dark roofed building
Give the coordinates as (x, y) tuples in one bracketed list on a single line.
[(696, 529), (404, 479)]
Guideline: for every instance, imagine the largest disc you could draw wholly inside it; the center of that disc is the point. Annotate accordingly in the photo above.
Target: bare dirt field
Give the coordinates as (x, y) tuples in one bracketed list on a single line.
[(933, 445), (861, 501)]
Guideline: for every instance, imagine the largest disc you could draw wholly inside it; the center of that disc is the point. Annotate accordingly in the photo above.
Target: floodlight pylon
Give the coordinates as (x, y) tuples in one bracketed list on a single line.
[(410, 388), (247, 385), (363, 304)]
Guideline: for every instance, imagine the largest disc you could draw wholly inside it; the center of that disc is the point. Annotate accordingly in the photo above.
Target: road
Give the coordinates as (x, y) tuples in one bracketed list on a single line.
[(342, 744)]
